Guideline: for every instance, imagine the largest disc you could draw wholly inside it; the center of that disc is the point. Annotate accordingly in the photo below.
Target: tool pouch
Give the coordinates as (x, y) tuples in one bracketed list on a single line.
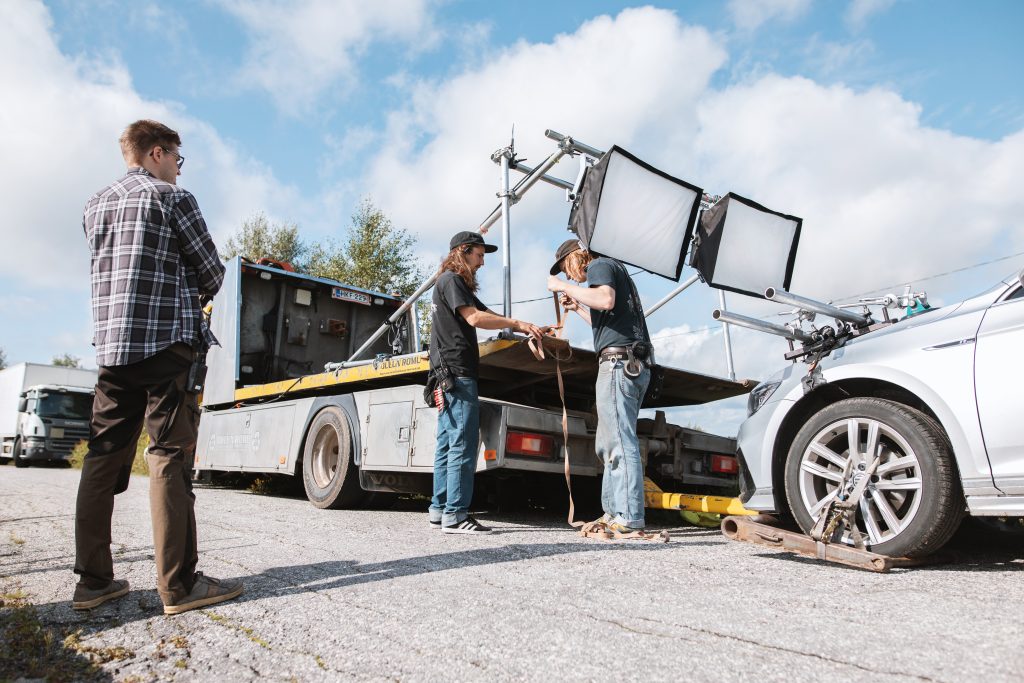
[(438, 378)]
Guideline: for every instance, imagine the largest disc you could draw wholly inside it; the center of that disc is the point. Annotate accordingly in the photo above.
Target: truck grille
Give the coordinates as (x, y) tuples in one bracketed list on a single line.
[(70, 439)]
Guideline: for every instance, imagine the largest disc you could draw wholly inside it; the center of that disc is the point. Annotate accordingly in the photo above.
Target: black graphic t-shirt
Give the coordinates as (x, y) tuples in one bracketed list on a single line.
[(451, 337), (623, 324)]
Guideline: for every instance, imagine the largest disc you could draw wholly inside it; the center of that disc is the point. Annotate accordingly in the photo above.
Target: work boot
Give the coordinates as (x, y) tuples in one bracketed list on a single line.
[(206, 591), (87, 598)]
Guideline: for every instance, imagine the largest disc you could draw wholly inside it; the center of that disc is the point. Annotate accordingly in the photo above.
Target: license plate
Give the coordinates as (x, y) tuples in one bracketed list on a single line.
[(57, 433)]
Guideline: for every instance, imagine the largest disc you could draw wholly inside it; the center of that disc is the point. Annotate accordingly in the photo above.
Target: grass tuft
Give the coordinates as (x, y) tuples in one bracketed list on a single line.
[(32, 650), (139, 464)]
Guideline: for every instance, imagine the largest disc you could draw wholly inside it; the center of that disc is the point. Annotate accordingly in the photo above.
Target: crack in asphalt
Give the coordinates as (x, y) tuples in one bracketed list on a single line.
[(780, 648)]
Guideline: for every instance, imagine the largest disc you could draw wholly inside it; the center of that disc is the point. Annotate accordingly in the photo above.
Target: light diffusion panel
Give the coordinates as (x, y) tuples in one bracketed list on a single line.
[(745, 247), (643, 215)]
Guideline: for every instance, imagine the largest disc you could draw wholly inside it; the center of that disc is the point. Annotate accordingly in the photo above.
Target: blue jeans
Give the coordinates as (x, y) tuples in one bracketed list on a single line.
[(618, 404), (458, 443)]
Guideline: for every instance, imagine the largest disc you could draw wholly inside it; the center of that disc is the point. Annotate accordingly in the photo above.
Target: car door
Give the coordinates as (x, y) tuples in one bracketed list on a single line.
[(998, 382)]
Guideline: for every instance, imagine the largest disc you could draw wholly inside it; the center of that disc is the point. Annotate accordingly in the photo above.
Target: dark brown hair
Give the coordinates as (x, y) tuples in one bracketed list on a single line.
[(455, 261), (143, 135)]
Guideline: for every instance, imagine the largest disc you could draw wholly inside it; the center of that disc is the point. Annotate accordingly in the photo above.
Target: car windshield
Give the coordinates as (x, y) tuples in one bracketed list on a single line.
[(71, 406)]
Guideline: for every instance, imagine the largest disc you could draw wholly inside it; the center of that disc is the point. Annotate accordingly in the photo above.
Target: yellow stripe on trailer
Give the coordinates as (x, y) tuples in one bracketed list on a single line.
[(391, 367), (657, 499)]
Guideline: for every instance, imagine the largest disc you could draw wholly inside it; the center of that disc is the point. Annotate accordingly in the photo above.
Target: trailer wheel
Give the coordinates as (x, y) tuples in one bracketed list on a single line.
[(913, 503), (329, 475), (19, 461)]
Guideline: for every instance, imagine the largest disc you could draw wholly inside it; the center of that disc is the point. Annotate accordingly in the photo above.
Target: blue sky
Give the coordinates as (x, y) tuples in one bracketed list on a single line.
[(894, 127)]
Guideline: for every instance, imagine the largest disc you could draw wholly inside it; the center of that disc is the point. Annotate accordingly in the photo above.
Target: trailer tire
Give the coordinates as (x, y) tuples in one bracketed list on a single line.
[(915, 505), (19, 461), (329, 474)]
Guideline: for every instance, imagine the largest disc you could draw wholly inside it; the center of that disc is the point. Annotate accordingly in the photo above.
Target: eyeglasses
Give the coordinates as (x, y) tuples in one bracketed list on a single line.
[(180, 160)]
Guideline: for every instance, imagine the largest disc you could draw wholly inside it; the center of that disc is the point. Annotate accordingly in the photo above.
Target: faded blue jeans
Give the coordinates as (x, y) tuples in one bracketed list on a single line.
[(618, 404), (458, 442)]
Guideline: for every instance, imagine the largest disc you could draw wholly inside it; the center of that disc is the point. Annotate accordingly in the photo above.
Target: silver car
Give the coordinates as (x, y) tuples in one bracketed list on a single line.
[(928, 401)]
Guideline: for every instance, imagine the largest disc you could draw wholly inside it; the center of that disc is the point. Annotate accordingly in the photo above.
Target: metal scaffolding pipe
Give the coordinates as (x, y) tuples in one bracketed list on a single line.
[(671, 295), (572, 145), (728, 339), (550, 180), (783, 297), (506, 241), (760, 325), (517, 192)]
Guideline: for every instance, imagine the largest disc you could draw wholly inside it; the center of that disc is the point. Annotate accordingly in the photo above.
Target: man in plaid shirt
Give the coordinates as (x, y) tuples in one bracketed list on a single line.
[(152, 261)]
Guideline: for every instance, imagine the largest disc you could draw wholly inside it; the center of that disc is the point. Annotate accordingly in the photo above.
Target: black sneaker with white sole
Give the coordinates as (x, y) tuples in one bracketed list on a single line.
[(435, 525), (467, 526)]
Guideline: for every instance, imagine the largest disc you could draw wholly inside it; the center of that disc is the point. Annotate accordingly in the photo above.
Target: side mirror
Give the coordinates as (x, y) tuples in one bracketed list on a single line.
[(22, 404)]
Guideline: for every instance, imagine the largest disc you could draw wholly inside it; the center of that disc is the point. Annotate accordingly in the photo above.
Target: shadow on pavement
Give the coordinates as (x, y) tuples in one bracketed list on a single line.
[(275, 582)]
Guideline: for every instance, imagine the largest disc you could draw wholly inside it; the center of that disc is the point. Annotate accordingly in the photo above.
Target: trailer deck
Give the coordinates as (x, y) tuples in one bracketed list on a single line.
[(508, 371)]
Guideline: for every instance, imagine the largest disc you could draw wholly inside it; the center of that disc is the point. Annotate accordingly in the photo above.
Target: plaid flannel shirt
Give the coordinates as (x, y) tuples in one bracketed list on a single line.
[(152, 258)]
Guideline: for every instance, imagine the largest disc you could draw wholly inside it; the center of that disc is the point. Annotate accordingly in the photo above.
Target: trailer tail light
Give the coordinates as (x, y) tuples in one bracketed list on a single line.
[(724, 464), (526, 443)]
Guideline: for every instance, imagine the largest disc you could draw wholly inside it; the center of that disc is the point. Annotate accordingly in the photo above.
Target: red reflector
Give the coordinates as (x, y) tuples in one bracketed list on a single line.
[(525, 443), (725, 464)]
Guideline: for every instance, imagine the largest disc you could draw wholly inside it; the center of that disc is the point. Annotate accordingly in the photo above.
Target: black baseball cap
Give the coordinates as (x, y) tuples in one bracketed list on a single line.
[(564, 249), (472, 238)]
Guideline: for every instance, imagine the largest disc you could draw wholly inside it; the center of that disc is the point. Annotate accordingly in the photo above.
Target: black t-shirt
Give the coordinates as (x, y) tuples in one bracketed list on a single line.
[(451, 337), (624, 324)]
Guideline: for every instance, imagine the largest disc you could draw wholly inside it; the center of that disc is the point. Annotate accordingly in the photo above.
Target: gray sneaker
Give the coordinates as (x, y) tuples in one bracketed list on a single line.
[(87, 598), (206, 591)]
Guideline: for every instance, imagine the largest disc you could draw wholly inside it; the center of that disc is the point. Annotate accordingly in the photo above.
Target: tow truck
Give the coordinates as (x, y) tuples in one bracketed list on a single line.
[(277, 400)]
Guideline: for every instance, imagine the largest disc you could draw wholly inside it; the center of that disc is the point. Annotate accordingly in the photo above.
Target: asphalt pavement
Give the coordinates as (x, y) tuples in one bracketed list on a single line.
[(377, 595)]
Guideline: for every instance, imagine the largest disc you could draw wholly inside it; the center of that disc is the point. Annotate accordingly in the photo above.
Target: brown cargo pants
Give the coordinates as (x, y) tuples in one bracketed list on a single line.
[(149, 393)]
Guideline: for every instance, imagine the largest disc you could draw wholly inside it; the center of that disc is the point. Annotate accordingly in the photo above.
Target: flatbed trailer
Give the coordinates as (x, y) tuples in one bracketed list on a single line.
[(365, 427)]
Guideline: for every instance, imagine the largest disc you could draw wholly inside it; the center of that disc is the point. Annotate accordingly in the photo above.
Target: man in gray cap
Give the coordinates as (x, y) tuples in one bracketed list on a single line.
[(612, 308), (454, 362)]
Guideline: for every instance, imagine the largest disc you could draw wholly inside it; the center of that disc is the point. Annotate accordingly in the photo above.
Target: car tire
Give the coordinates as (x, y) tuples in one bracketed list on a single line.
[(329, 474), (19, 461), (914, 502)]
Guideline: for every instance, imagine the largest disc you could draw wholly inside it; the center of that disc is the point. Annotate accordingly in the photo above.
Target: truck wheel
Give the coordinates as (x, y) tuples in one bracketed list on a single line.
[(330, 477), (913, 503), (19, 461)]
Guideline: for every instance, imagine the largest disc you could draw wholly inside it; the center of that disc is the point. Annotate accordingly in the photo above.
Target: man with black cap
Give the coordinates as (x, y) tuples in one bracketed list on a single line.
[(611, 306), (455, 357)]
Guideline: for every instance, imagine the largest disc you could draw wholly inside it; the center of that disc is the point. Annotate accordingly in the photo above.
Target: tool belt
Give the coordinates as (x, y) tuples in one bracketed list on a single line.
[(638, 355)]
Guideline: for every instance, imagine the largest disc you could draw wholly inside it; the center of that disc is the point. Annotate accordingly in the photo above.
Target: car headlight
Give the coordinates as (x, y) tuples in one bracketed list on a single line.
[(760, 395)]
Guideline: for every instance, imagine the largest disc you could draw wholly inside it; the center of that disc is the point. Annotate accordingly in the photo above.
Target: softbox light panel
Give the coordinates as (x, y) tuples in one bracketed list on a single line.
[(744, 247), (635, 213)]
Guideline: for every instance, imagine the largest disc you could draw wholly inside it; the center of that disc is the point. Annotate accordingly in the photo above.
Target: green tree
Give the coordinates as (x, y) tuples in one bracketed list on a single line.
[(374, 255), (259, 238), (66, 360)]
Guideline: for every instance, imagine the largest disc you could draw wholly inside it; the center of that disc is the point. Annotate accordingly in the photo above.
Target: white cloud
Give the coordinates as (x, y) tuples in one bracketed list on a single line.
[(59, 134), (750, 14), (60, 146), (859, 11), (633, 80), (299, 50), (884, 197)]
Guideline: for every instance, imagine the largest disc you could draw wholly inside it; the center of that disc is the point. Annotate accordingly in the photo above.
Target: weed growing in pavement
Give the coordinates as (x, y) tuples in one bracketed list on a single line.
[(33, 650), (16, 539), (139, 465), (100, 655), (243, 629)]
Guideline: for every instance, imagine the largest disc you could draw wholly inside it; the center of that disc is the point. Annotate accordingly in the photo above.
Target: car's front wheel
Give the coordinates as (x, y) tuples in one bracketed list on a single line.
[(912, 503)]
